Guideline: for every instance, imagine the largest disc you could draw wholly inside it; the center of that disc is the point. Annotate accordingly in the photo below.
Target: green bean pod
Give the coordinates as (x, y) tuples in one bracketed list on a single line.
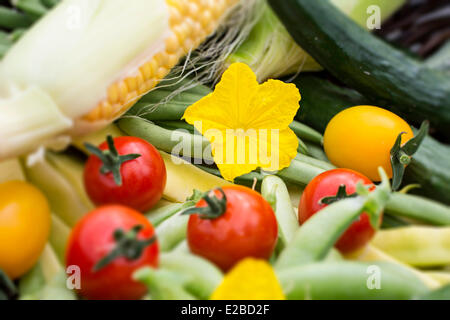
[(202, 276), (180, 142), (171, 232), (302, 148), (12, 19), (182, 248), (401, 205), (306, 133), (34, 8), (157, 216), (163, 284), (316, 152), (275, 192), (350, 281), (246, 179), (315, 162), (418, 208), (169, 101), (174, 125), (316, 237), (300, 172)]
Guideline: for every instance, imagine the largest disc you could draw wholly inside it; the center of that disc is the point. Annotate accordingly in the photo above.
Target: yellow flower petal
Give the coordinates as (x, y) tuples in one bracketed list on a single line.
[(235, 91), (274, 105), (282, 156), (247, 123), (227, 104), (251, 279), (206, 114)]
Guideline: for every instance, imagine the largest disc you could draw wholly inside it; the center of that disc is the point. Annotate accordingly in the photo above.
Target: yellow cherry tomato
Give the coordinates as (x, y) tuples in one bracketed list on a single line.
[(24, 226), (361, 138)]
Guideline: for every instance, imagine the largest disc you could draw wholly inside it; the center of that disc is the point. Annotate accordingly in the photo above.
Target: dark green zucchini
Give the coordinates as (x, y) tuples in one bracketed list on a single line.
[(322, 100), (380, 72)]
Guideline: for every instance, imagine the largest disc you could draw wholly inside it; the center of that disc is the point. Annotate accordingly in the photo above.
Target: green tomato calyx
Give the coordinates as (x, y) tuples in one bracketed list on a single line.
[(340, 195), (214, 209), (112, 161), (127, 245), (401, 155)]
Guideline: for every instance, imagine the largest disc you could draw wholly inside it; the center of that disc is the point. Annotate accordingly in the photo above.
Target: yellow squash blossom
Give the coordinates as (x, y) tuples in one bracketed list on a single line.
[(251, 279), (247, 123)]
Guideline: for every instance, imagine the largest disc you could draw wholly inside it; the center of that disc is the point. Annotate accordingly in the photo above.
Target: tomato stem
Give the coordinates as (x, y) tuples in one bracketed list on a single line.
[(7, 288), (401, 154), (214, 209), (112, 161), (340, 195), (128, 246)]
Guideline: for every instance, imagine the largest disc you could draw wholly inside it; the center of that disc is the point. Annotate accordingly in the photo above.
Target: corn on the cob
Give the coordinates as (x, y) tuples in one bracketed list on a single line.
[(88, 61)]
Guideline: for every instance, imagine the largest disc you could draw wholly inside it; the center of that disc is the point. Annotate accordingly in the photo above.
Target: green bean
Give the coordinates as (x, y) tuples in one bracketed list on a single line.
[(171, 232), (17, 34), (402, 205), (152, 112), (442, 293), (8, 289), (416, 207), (4, 49), (32, 282), (302, 148), (57, 289), (50, 3), (300, 172), (274, 190), (33, 8), (12, 19), (182, 248), (350, 281), (390, 221), (159, 105), (317, 235), (316, 151), (315, 162), (167, 140), (157, 216), (246, 179), (203, 277), (306, 133), (333, 255), (5, 43), (163, 284), (173, 125)]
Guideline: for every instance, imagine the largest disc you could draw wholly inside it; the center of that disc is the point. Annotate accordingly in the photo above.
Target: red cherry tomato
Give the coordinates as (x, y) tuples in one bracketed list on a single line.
[(92, 240), (143, 178), (327, 185), (246, 228)]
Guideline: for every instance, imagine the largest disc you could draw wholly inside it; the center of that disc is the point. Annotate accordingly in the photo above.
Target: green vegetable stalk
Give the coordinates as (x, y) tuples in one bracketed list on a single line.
[(271, 52), (350, 281), (313, 241), (275, 192), (202, 276)]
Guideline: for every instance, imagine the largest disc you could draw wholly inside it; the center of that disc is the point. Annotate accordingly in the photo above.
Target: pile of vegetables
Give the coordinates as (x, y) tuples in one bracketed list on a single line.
[(124, 185)]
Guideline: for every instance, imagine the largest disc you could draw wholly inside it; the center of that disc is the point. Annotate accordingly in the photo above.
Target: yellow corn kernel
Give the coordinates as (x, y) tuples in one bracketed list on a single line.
[(191, 21)]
